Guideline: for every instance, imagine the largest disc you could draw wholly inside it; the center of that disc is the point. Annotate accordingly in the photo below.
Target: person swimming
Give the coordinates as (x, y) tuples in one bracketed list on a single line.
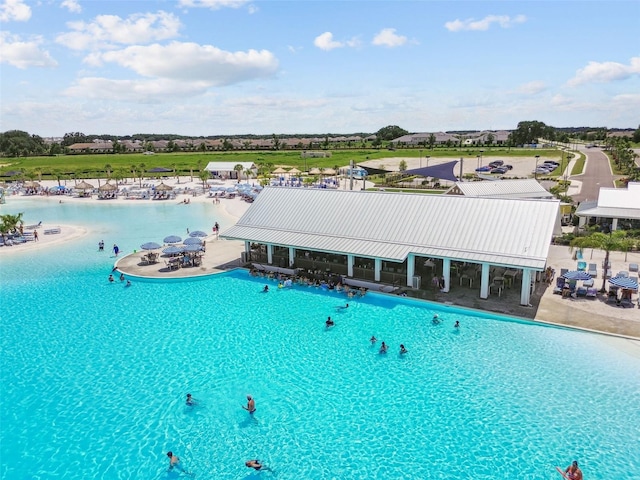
[(111, 279), (342, 307), (266, 288), (373, 340), (457, 324), (257, 465), (251, 405), (383, 348), (329, 322), (402, 349), (191, 402), (435, 320), (128, 283)]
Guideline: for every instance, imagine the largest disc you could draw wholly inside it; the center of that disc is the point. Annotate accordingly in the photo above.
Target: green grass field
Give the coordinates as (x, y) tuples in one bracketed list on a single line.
[(94, 166)]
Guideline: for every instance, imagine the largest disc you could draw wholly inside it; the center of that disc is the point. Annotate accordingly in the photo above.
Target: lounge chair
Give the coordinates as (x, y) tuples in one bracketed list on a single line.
[(588, 283), (581, 292), (626, 303), (563, 271), (592, 292), (593, 270), (633, 267), (560, 281)]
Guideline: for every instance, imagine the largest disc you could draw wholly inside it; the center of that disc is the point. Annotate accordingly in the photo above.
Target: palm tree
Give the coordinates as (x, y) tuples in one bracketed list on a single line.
[(141, 168), (248, 173), (238, 168), (9, 223), (204, 176), (108, 168), (614, 241)]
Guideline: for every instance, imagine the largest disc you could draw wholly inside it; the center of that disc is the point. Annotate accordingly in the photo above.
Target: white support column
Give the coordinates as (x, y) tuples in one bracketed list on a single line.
[(411, 269), (446, 273), (525, 292), (247, 246), (292, 256), (484, 281), (350, 259), (269, 254), (614, 224), (376, 269)]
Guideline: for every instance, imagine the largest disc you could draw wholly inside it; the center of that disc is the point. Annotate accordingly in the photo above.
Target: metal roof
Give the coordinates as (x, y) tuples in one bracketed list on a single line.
[(521, 188), (614, 203), (390, 226), (228, 166)]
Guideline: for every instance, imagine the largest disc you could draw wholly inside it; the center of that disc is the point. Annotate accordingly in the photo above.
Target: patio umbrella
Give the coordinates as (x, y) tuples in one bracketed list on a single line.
[(198, 233), (294, 171), (192, 241), (192, 248), (108, 187), (172, 250), (150, 246), (624, 282), (577, 275), (172, 239), (163, 187), (278, 171), (84, 186), (315, 171)]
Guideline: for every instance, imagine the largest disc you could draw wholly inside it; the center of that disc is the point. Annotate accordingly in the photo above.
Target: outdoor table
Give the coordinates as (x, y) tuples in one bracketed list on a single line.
[(511, 275)]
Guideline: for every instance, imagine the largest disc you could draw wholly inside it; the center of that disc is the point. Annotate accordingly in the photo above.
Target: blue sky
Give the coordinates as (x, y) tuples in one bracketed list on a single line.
[(216, 67)]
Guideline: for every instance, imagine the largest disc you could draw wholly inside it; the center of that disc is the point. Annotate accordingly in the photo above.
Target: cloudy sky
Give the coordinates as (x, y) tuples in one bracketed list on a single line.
[(215, 67)]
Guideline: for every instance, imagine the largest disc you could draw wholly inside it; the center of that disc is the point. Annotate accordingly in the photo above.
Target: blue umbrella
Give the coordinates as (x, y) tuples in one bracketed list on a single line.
[(172, 239), (577, 275), (624, 282), (172, 250), (198, 233), (192, 241), (150, 246), (192, 248)]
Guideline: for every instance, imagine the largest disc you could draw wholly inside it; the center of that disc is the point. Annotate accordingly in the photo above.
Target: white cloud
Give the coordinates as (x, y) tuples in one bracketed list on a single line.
[(505, 21), (191, 62), (387, 37), (14, 10), (604, 72), (105, 31), (532, 88), (138, 91), (72, 5), (212, 4), (326, 42), (24, 54)]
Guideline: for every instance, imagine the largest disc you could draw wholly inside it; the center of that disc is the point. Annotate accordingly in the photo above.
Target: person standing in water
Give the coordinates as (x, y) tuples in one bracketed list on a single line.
[(251, 405)]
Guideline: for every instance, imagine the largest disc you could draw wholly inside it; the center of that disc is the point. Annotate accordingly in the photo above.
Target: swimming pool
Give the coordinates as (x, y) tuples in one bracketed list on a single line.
[(94, 377)]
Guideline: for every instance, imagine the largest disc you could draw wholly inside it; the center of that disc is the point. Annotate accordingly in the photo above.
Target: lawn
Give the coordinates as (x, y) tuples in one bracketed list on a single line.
[(94, 166)]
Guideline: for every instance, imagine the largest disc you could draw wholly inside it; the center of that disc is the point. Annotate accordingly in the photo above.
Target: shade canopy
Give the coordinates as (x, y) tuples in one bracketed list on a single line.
[(444, 171), (84, 186), (172, 250), (198, 233), (192, 248), (577, 275), (374, 171), (624, 282), (172, 239), (150, 246), (192, 241), (163, 187), (108, 187)]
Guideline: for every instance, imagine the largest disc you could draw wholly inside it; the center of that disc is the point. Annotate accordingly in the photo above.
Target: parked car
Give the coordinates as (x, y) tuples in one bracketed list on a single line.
[(496, 163), (484, 168), (500, 170), (508, 167), (551, 162)]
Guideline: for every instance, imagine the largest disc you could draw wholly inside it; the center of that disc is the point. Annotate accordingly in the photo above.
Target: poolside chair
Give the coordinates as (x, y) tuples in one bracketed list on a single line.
[(593, 270), (560, 281), (563, 271), (588, 283), (633, 267), (581, 292), (626, 303), (592, 292)]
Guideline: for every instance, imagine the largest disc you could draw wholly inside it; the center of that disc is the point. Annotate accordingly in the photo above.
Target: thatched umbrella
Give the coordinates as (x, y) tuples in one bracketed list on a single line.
[(163, 187), (315, 171), (31, 184), (108, 187), (279, 171), (84, 186)]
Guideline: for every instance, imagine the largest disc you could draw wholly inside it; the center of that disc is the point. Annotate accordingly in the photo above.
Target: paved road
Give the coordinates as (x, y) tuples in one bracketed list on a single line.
[(597, 174)]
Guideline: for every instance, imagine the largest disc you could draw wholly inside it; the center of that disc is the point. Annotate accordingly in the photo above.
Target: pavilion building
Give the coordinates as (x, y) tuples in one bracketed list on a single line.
[(398, 238)]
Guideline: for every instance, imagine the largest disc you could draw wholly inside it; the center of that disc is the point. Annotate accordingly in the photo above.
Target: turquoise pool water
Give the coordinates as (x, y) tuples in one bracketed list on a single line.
[(94, 376)]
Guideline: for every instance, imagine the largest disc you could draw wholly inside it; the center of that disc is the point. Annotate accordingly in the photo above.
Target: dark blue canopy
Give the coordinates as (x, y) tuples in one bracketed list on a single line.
[(444, 171)]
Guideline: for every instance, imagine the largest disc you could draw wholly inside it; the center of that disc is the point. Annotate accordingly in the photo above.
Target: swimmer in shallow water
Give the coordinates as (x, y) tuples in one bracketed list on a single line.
[(251, 405), (329, 323), (402, 349), (373, 340), (191, 402), (383, 348), (266, 288), (257, 465)]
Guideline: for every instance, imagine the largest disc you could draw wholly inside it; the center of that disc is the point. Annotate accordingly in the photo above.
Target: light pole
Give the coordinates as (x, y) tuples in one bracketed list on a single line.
[(535, 172), (478, 163), (428, 157), (420, 158), (481, 152)]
